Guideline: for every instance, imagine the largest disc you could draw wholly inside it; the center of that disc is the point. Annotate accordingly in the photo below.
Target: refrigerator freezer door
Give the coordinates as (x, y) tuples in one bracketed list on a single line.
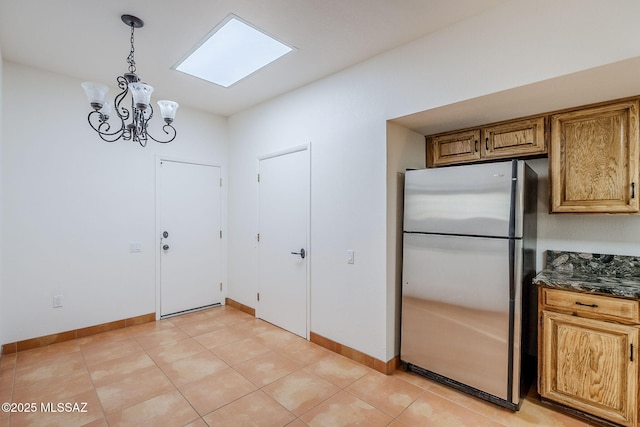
[(464, 200), (456, 309)]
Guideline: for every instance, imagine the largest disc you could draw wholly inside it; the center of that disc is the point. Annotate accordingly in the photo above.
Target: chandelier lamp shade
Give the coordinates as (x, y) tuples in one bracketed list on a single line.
[(131, 123)]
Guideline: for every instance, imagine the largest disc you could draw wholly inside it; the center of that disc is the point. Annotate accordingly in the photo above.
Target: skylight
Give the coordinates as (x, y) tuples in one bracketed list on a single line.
[(232, 51)]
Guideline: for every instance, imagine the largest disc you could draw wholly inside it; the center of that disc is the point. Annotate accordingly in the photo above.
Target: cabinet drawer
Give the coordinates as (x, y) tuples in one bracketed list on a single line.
[(620, 309)]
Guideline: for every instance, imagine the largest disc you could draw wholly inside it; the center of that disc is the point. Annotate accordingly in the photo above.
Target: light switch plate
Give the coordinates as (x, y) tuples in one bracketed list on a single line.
[(350, 256), (57, 301)]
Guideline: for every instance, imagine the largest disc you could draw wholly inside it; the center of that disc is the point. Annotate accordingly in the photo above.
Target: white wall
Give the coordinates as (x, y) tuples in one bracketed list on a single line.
[(343, 116), (73, 203), (2, 296), (347, 163), (605, 234), (405, 150)]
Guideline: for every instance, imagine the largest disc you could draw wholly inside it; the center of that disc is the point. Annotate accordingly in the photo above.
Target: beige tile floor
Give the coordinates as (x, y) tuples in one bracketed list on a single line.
[(222, 367)]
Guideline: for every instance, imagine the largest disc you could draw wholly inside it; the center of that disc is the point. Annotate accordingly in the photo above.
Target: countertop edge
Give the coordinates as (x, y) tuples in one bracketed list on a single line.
[(607, 286)]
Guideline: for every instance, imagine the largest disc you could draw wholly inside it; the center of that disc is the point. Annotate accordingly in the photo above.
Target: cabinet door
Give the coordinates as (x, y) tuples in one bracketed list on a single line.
[(514, 139), (459, 147), (593, 163), (590, 365)]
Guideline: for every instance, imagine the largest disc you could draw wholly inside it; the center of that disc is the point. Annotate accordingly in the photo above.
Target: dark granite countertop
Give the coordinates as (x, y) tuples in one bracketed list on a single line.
[(615, 275)]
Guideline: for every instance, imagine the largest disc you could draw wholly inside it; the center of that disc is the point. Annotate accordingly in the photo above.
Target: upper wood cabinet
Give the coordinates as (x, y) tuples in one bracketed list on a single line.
[(514, 139), (593, 159), (450, 148), (518, 138)]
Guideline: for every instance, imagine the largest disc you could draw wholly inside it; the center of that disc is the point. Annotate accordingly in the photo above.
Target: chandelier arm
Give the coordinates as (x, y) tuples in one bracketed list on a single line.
[(139, 126), (140, 120), (123, 84), (142, 141), (103, 127), (122, 112), (164, 128), (149, 113)]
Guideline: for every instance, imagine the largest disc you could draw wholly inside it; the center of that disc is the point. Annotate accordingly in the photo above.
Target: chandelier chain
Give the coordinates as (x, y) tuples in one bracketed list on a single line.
[(130, 58)]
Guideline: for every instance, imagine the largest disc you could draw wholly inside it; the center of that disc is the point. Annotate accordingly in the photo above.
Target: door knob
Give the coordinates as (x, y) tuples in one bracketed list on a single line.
[(302, 253), (165, 247)]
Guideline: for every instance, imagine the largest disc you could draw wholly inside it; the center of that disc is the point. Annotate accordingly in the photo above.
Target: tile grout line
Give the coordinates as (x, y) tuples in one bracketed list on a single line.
[(176, 388), (95, 390)]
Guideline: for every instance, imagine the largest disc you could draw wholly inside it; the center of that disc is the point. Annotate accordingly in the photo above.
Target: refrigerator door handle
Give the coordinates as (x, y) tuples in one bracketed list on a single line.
[(514, 190), (516, 290), (512, 271)]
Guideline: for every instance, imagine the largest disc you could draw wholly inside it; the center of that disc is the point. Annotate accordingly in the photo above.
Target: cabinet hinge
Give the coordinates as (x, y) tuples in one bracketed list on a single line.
[(221, 234), (220, 182), (631, 351), (258, 296), (258, 177), (258, 237), (220, 286)]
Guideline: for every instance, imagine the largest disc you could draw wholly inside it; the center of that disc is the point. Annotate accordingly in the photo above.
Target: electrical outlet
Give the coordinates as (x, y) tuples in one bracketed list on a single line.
[(57, 301), (135, 247)]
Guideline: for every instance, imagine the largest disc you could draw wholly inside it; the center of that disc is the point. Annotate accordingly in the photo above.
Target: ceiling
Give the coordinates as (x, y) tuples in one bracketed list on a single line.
[(86, 39)]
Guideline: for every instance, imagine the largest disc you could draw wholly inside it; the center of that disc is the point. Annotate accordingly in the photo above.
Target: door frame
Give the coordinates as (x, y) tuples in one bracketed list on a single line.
[(278, 153), (223, 224)]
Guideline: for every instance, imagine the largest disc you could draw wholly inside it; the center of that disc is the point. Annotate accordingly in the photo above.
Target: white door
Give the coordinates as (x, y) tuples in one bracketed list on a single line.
[(190, 248), (284, 251)]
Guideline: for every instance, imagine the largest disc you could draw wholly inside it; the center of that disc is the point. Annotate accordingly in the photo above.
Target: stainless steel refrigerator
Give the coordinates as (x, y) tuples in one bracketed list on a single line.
[(468, 310)]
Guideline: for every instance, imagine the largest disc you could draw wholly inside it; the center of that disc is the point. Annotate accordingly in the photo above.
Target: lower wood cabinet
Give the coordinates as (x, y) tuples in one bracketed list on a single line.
[(586, 360)]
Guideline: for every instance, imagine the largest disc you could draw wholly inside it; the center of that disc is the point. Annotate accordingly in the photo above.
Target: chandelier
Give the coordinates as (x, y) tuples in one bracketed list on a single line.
[(132, 122)]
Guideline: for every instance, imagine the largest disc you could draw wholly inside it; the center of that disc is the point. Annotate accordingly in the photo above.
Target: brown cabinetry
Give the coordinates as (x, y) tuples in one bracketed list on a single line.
[(594, 153), (453, 148), (588, 353), (593, 159), (511, 139), (514, 139)]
